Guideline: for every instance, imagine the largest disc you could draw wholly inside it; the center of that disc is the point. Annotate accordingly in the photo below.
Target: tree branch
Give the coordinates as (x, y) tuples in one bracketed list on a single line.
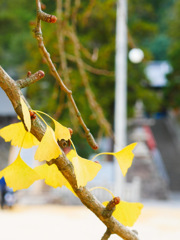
[(106, 235), (46, 17), (63, 59), (96, 108), (90, 68), (22, 83), (64, 165), (46, 55), (108, 211), (13, 92)]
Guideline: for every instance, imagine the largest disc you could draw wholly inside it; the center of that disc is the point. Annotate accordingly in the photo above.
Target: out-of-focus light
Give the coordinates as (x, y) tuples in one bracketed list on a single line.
[(136, 55)]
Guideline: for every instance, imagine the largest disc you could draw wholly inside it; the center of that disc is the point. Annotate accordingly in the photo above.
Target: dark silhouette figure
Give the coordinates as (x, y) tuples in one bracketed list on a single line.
[(3, 191)]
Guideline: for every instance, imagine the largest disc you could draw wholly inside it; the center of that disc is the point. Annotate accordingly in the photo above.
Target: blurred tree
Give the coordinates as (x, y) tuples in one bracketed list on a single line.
[(96, 34), (14, 33), (148, 21)]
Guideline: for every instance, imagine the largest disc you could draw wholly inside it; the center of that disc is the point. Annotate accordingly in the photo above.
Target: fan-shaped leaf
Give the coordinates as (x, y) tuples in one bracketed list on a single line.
[(48, 147), (125, 157), (127, 213), (19, 175), (61, 132), (17, 134), (85, 170), (52, 175)]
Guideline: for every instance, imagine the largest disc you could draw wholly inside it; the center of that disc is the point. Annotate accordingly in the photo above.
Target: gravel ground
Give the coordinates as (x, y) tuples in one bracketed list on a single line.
[(158, 221)]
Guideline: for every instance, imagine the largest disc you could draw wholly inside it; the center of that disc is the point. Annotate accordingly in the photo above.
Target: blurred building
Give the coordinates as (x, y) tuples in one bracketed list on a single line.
[(157, 153), (166, 131), (148, 163)]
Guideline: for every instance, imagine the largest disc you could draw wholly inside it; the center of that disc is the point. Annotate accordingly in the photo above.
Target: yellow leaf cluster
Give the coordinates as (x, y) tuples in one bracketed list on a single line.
[(19, 175)]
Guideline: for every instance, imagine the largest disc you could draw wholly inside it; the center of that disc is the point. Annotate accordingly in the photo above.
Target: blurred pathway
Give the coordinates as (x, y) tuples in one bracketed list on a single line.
[(159, 221)]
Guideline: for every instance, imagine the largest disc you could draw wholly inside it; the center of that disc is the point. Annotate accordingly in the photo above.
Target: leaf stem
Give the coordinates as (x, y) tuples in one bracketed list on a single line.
[(103, 189), (104, 153), (40, 117), (37, 111), (22, 143)]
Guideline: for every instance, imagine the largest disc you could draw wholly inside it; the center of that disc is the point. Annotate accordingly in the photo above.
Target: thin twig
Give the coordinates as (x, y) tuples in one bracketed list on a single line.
[(131, 41), (98, 71), (75, 11), (91, 56), (90, 68), (46, 55), (67, 8), (88, 11), (91, 97), (110, 208), (63, 60), (22, 83), (106, 235)]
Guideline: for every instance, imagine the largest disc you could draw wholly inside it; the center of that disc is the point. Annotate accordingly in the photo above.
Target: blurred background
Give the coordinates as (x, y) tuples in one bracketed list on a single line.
[(83, 46)]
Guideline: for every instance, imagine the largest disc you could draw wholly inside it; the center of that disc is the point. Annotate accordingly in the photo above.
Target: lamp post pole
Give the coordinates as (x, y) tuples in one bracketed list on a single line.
[(120, 88)]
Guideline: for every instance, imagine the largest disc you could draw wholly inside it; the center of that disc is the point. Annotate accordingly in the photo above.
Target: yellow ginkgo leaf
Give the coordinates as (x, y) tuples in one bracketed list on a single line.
[(125, 157), (85, 170), (19, 175), (17, 134), (127, 213), (26, 114), (61, 132), (52, 175), (48, 147), (71, 154)]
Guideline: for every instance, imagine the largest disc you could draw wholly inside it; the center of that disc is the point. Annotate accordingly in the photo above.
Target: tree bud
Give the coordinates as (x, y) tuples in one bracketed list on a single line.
[(29, 73)]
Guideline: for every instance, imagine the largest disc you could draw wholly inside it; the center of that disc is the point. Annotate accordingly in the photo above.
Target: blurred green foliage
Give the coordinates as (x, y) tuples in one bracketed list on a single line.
[(14, 33), (147, 24), (172, 96)]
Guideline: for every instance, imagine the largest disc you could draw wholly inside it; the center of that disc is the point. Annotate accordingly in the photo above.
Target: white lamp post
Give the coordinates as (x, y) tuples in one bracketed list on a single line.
[(120, 88)]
